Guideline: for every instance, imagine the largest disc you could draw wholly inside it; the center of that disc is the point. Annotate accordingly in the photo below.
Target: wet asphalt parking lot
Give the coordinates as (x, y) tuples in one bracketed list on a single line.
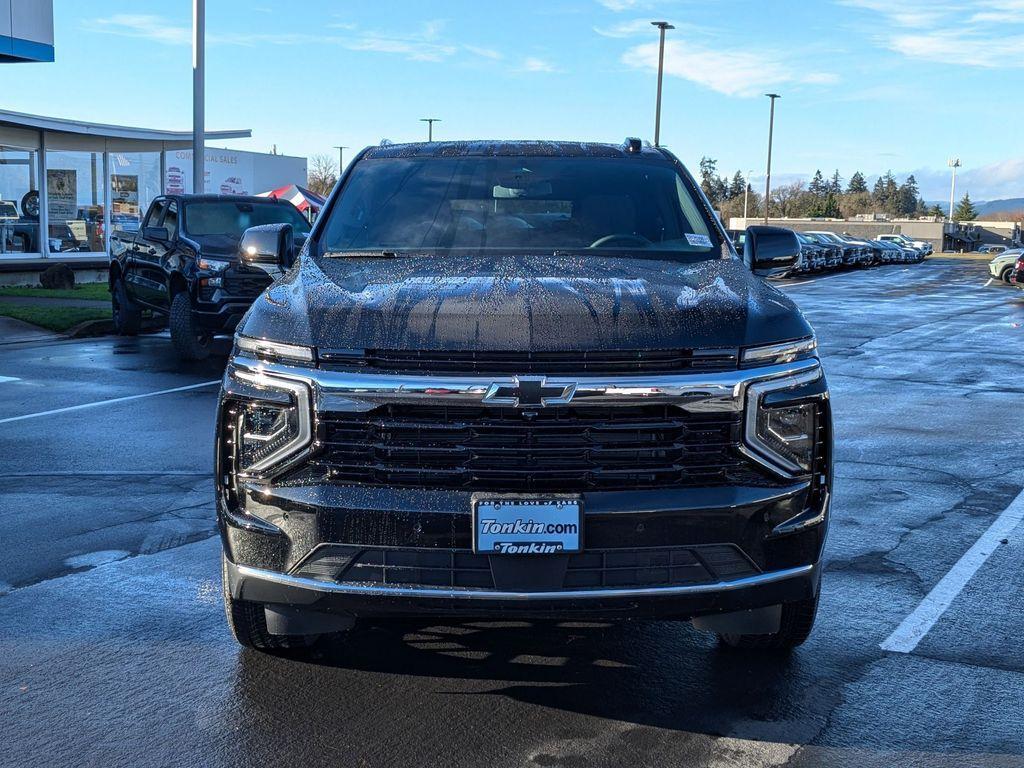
[(114, 650)]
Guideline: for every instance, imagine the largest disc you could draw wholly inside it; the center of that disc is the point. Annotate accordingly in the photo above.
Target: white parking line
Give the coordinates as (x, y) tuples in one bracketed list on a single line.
[(913, 628), (98, 403), (4, 379)]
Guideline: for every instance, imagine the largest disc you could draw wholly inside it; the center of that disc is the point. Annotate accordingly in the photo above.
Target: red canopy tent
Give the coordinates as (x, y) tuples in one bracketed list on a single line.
[(300, 197)]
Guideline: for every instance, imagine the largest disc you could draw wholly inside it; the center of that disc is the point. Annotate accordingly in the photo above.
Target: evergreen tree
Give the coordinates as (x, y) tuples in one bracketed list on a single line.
[(737, 186), (906, 197), (857, 184), (830, 209), (817, 187), (936, 210), (836, 185), (965, 211), (714, 187)]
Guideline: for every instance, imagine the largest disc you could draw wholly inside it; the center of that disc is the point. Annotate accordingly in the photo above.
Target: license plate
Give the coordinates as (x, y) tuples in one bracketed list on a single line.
[(527, 526)]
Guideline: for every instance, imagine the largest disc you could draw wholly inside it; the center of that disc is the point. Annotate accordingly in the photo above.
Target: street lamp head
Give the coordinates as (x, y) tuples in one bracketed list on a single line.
[(662, 25), (773, 96)]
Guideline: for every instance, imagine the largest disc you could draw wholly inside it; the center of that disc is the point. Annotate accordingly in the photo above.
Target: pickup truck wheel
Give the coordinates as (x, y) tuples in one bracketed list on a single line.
[(190, 341), (248, 623), (797, 621), (127, 316)]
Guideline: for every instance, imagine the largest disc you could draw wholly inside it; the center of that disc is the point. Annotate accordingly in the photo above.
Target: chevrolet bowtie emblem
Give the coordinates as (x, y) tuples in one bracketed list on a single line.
[(530, 392)]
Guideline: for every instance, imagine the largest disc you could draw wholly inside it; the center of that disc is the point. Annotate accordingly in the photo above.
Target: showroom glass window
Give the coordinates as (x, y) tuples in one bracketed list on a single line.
[(134, 184), (74, 191), (19, 201)]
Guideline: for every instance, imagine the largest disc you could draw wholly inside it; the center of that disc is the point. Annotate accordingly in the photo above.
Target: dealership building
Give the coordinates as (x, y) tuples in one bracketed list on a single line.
[(65, 185)]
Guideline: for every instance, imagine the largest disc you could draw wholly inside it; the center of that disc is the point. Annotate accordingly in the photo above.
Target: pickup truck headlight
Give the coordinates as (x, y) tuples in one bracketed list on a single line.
[(271, 422), (213, 265), (788, 431), (786, 352), (781, 426)]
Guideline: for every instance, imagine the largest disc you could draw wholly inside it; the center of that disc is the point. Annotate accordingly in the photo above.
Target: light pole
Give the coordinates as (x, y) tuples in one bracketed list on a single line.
[(341, 159), (746, 195), (430, 126), (662, 26), (768, 176), (954, 163), (198, 96)]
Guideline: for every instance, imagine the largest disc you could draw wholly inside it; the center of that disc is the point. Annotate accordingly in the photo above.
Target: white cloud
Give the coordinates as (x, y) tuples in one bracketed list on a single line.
[(535, 64), (426, 43), (732, 72), (973, 33), (623, 5), (987, 182)]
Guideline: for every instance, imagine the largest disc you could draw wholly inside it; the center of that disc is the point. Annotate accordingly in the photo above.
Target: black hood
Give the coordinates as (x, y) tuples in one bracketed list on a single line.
[(516, 303)]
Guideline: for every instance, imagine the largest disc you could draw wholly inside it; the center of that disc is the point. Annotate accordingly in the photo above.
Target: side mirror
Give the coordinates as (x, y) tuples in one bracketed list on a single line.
[(269, 247), (770, 251), (160, 234)]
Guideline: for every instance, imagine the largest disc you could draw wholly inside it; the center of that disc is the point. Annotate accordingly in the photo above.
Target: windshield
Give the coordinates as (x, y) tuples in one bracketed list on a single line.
[(827, 236), (231, 219), (512, 204)]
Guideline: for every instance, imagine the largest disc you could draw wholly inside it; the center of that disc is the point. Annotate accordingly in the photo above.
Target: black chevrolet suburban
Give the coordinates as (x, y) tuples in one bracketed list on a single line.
[(522, 379), (182, 265)]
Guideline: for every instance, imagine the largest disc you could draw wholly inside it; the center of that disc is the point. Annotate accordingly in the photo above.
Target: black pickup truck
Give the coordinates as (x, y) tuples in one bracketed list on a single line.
[(526, 380), (183, 264)]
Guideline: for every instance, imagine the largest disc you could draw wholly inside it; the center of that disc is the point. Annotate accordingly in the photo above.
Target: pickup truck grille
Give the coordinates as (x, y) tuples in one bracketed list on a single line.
[(610, 362), (465, 569), (246, 284), (557, 449)]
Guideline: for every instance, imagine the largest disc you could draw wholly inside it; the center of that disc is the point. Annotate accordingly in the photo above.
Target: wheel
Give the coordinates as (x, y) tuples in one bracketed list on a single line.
[(127, 315), (190, 341), (1005, 274), (248, 623), (796, 623)]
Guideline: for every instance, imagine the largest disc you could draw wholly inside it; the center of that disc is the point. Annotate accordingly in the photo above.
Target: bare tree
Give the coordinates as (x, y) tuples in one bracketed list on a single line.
[(322, 175), (784, 199)]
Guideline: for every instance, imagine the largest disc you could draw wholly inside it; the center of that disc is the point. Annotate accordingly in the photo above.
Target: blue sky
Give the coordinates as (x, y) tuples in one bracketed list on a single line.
[(866, 84)]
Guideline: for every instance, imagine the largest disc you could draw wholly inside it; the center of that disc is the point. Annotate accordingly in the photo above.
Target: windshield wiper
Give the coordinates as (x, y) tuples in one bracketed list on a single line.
[(364, 254)]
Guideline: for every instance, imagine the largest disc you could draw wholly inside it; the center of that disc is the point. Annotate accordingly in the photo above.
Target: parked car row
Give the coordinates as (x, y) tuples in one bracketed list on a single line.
[(823, 250)]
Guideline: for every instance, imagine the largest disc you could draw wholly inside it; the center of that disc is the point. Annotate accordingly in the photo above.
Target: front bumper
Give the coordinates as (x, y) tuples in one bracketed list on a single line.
[(376, 600)]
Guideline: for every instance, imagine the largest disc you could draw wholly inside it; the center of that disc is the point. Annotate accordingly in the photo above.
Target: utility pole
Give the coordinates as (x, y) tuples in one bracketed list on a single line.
[(746, 195), (430, 126), (662, 26), (198, 96), (341, 159), (768, 176), (954, 163)]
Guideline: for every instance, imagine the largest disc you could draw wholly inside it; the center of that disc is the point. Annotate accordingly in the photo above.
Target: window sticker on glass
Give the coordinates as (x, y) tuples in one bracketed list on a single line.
[(701, 241)]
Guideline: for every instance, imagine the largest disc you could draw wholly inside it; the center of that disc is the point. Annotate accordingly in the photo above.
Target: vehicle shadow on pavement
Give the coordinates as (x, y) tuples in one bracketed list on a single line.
[(661, 674)]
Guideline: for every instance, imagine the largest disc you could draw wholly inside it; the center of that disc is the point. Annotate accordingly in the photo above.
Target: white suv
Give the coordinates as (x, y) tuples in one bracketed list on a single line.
[(1002, 265)]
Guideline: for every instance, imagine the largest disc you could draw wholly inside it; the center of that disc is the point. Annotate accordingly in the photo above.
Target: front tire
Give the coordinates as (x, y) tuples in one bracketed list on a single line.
[(794, 628), (248, 623), (1005, 275), (190, 341), (127, 315)]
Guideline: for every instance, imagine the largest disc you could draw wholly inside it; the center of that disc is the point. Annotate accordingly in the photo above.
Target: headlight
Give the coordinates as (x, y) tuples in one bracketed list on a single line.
[(213, 265), (268, 432), (272, 350), (788, 431), (786, 352), (780, 434)]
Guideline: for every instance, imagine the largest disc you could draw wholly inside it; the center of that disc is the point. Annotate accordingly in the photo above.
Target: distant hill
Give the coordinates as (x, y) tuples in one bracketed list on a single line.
[(1009, 205), (987, 207)]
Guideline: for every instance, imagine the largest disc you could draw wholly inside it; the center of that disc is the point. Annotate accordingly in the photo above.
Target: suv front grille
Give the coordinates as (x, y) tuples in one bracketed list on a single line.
[(610, 362), (558, 449)]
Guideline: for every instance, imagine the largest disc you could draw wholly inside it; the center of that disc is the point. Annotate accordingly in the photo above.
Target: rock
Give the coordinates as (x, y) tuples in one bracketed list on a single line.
[(59, 276)]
